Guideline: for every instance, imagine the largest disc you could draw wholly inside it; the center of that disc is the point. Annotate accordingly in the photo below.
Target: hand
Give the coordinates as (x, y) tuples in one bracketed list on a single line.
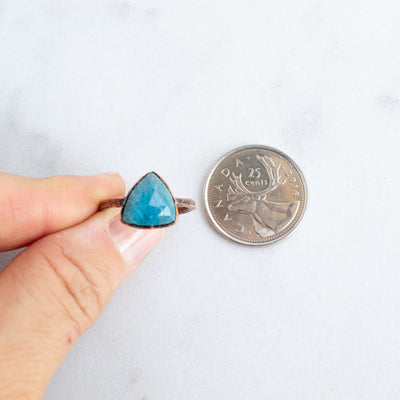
[(55, 289)]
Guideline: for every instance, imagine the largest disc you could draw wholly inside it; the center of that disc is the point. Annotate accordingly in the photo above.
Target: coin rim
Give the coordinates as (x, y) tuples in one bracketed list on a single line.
[(228, 235)]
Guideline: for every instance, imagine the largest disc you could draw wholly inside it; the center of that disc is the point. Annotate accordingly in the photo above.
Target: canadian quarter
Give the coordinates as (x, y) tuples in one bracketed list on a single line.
[(255, 195)]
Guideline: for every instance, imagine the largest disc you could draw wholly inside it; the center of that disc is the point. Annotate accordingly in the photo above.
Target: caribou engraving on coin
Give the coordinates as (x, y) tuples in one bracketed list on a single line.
[(255, 195), (267, 216)]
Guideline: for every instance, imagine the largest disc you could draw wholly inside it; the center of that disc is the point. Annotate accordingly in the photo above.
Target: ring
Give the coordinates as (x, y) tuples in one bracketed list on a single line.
[(149, 204)]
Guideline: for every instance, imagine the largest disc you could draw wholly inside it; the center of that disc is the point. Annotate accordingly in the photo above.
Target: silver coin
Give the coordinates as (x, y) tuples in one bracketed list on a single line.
[(255, 195)]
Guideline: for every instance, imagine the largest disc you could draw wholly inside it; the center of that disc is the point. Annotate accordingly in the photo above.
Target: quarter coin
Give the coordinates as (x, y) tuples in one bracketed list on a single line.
[(255, 195)]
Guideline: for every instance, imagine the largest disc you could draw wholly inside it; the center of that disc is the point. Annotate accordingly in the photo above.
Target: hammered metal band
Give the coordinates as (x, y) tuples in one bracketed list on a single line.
[(183, 205)]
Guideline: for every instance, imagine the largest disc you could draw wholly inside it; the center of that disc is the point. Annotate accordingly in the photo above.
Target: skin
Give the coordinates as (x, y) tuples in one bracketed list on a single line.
[(55, 289)]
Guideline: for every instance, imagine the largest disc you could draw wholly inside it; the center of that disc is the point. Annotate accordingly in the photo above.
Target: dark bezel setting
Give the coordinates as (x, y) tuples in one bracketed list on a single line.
[(152, 226)]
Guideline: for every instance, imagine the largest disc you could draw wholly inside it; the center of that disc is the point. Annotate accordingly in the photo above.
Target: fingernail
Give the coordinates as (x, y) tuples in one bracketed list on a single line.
[(134, 244), (111, 173)]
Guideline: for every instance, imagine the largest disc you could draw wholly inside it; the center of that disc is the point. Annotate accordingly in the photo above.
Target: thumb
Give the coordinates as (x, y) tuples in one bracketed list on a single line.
[(54, 290)]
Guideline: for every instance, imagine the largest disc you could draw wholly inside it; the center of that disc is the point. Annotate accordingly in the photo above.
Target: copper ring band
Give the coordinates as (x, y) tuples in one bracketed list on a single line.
[(183, 205)]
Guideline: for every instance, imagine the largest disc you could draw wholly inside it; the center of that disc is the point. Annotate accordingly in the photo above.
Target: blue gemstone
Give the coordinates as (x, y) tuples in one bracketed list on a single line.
[(149, 204)]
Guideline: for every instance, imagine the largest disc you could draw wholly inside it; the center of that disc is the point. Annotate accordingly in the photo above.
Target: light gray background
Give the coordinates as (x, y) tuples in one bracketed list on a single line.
[(132, 86)]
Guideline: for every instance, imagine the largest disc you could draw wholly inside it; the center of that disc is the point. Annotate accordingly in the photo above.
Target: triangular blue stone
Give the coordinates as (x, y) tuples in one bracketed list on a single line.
[(149, 204)]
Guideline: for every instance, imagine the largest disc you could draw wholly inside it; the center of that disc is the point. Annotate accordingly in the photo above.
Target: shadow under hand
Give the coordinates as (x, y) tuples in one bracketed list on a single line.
[(7, 256)]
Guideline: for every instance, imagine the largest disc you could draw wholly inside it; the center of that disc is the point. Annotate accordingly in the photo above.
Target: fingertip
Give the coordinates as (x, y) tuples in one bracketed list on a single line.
[(34, 207)]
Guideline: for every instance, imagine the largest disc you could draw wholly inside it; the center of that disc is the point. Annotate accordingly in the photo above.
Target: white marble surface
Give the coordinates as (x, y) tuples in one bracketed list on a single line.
[(128, 85)]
